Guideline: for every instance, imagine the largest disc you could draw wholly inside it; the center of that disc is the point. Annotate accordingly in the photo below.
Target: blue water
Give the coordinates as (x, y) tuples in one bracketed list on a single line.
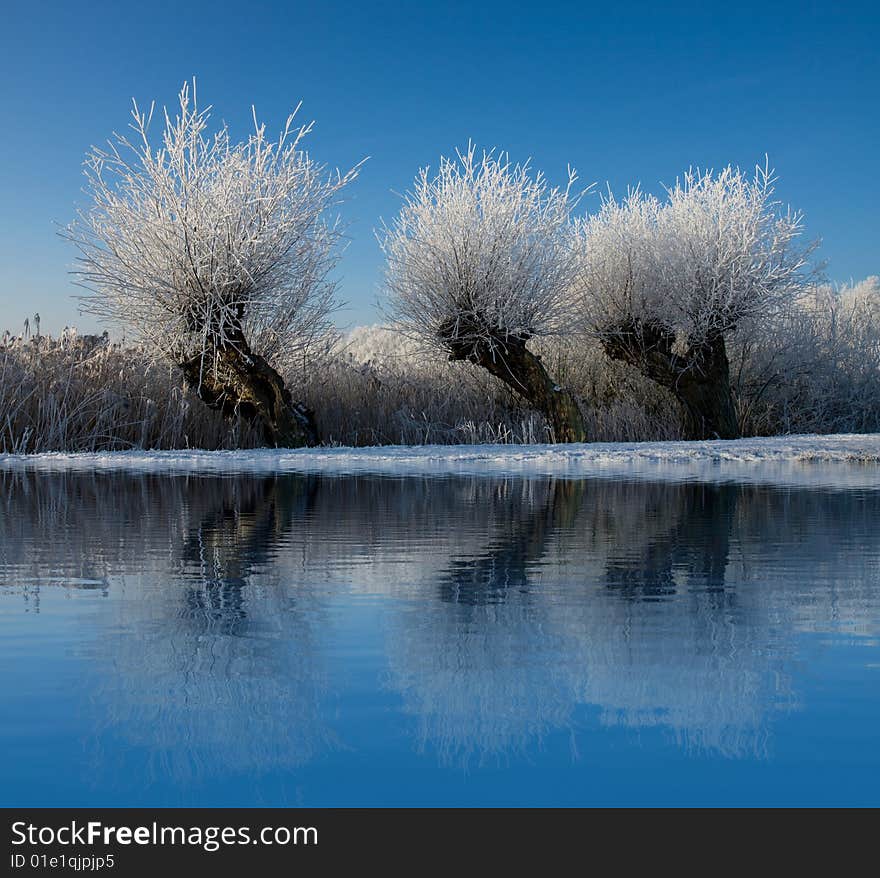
[(361, 640)]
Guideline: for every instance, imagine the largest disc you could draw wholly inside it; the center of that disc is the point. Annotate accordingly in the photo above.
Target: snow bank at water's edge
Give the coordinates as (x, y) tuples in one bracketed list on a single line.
[(845, 460)]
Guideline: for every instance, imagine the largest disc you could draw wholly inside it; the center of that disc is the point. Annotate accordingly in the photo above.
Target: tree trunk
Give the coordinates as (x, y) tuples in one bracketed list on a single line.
[(699, 377), (512, 362), (503, 567), (234, 380), (708, 399)]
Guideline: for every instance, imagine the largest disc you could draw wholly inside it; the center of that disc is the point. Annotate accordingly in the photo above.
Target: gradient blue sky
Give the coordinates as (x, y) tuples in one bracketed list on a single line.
[(626, 93)]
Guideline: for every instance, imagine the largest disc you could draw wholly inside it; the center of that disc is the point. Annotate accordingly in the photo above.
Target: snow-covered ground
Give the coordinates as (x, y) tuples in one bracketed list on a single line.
[(842, 460)]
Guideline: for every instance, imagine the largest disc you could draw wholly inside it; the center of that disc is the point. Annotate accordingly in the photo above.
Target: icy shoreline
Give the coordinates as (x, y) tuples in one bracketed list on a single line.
[(844, 460)]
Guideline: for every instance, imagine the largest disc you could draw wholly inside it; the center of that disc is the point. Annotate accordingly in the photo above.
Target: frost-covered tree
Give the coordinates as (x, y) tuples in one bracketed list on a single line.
[(478, 264), (663, 283), (216, 254)]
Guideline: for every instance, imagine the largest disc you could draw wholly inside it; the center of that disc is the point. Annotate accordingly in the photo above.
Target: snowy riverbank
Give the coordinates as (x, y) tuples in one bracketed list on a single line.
[(846, 460)]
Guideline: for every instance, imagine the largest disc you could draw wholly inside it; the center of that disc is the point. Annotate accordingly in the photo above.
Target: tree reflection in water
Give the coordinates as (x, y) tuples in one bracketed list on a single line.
[(512, 607)]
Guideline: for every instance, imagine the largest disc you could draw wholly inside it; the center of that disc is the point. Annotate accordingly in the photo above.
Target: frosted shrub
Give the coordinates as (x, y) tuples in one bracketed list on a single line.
[(85, 393), (814, 367), (381, 389)]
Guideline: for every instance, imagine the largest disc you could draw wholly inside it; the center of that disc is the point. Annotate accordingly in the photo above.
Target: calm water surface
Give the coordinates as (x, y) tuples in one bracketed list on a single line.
[(365, 640)]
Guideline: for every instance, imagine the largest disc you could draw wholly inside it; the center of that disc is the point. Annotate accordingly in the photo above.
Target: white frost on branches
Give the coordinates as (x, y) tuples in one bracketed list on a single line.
[(198, 241), (480, 253), (815, 366), (716, 250)]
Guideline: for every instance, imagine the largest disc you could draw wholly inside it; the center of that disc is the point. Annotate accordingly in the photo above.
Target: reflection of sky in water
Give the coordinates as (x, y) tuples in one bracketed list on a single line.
[(367, 640)]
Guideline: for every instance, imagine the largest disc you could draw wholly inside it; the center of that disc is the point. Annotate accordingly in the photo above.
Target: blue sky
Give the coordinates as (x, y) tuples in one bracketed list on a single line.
[(626, 93)]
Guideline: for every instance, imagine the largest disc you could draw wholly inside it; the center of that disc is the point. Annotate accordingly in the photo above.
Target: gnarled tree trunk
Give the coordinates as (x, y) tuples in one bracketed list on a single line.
[(511, 361), (699, 377), (234, 380)]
